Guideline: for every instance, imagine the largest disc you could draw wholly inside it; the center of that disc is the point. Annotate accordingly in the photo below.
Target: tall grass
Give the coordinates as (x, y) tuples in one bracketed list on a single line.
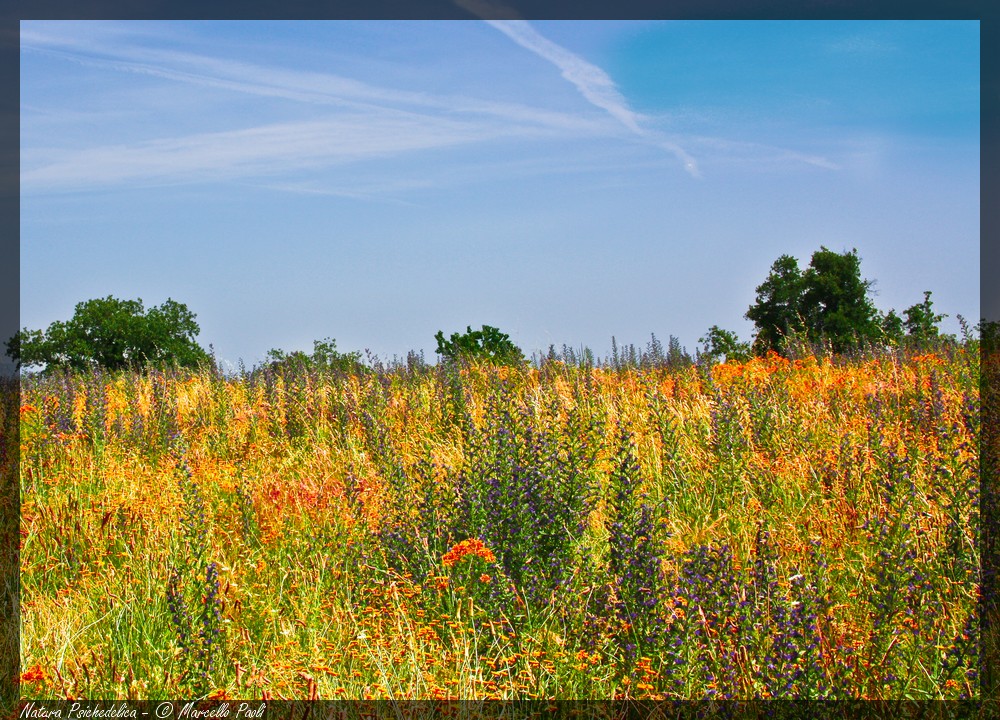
[(775, 528)]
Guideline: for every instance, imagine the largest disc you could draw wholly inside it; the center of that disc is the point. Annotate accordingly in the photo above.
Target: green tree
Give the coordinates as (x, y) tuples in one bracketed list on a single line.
[(113, 334), (486, 344), (723, 344), (835, 301), (325, 356), (922, 322), (892, 328), (777, 310), (828, 302)]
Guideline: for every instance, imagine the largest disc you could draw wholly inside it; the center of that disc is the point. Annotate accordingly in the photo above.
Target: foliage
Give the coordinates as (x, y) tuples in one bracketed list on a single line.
[(892, 328), (116, 335), (486, 344), (325, 356), (827, 303), (723, 344), (777, 312), (835, 301), (922, 322)]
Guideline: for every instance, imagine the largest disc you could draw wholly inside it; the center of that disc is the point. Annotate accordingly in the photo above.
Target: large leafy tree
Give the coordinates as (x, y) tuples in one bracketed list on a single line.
[(487, 344), (828, 302), (777, 311), (113, 334), (836, 303)]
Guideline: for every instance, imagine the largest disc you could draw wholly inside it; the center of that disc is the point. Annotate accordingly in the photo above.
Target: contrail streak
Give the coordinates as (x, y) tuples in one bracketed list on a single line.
[(592, 82)]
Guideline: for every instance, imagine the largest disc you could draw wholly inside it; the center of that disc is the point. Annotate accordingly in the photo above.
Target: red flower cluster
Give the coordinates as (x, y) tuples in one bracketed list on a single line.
[(472, 546), (34, 674)]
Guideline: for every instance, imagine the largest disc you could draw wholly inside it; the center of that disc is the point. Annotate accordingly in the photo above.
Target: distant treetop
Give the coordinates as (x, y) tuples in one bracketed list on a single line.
[(113, 334), (486, 344), (325, 356), (830, 303)]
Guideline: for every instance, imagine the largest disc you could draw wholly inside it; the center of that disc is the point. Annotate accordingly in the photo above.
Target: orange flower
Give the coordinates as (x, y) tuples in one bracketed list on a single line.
[(472, 546), (34, 674), (485, 579)]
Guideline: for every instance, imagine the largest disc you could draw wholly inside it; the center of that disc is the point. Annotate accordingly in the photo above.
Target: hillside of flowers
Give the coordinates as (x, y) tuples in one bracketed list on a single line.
[(774, 528)]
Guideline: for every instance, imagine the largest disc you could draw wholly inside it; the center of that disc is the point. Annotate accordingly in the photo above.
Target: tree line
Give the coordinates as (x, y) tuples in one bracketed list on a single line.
[(827, 305)]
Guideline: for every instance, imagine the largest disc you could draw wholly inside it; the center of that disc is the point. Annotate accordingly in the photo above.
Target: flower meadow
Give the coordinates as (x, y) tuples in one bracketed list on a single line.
[(778, 528)]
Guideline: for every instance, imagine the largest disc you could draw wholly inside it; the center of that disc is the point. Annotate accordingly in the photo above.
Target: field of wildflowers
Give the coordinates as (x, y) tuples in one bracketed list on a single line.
[(775, 528)]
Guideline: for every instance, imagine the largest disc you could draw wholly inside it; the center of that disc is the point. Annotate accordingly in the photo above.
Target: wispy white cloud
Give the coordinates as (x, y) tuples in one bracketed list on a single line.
[(375, 194), (296, 85), (268, 149), (722, 150), (598, 88), (367, 121), (592, 82), (363, 120)]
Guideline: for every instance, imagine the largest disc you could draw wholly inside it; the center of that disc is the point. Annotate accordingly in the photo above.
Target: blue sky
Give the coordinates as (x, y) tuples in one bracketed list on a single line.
[(376, 182)]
